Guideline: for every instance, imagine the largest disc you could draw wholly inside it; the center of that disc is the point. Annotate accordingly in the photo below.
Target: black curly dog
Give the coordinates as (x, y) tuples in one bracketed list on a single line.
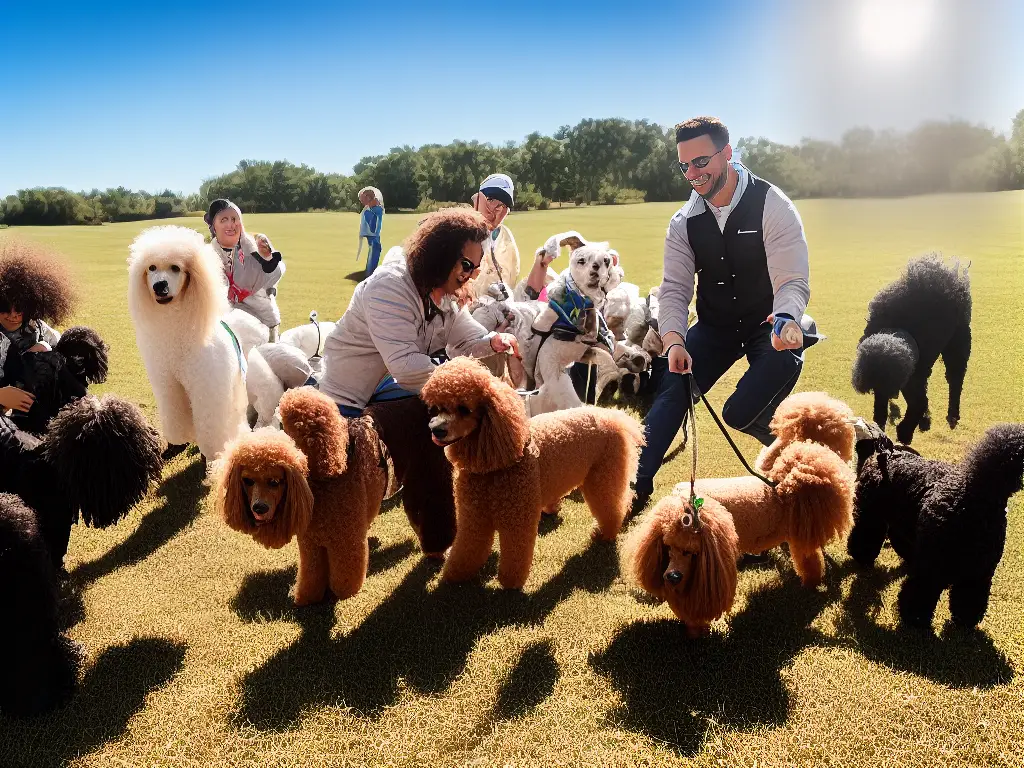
[(58, 377), (923, 314), (96, 459), (947, 521)]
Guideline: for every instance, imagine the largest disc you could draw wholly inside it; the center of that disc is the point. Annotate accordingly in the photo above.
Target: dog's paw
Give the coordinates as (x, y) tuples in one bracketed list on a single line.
[(953, 419), (926, 422)]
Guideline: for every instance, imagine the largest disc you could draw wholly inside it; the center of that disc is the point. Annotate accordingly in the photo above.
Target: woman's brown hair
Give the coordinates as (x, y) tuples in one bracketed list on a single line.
[(436, 245)]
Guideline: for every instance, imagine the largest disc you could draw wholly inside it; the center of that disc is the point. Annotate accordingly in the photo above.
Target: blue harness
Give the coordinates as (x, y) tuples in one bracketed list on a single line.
[(571, 310)]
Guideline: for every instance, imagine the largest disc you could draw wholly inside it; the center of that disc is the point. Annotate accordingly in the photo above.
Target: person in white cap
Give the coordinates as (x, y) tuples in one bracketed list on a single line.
[(501, 255)]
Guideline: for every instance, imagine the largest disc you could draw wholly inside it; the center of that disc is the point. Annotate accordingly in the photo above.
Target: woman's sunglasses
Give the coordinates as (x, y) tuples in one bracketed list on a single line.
[(468, 266), (697, 162)]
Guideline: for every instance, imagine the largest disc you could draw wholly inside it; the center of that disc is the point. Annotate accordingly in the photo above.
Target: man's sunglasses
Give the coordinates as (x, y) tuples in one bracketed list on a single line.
[(697, 162), (467, 265)]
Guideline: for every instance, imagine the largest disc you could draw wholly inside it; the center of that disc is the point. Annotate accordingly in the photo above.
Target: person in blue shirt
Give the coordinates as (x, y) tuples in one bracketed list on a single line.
[(370, 223)]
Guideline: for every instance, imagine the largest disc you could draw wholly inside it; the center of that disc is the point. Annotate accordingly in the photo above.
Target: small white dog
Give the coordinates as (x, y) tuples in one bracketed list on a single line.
[(177, 299)]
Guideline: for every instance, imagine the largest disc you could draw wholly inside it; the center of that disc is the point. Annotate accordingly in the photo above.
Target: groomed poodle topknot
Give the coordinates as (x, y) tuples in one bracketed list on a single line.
[(814, 417), (39, 663), (923, 314), (322, 481), (97, 458), (509, 468), (690, 561), (177, 298), (946, 521)]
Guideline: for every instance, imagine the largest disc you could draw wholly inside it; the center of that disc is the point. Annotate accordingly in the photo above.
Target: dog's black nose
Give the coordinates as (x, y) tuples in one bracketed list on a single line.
[(673, 577), (160, 288), (439, 432), (261, 507)]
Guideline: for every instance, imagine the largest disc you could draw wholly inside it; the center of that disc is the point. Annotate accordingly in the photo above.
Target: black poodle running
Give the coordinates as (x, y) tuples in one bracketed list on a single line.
[(947, 521), (923, 314)]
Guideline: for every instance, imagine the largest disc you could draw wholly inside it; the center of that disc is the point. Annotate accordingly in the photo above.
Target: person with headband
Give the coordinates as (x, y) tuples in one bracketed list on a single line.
[(371, 221), (252, 266), (745, 239), (501, 254)]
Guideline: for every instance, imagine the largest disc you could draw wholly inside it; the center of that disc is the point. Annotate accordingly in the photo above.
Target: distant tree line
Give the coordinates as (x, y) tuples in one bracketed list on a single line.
[(604, 161)]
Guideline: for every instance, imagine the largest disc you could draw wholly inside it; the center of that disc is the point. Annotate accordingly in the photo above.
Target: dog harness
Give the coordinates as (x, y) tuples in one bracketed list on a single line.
[(238, 348), (571, 310)]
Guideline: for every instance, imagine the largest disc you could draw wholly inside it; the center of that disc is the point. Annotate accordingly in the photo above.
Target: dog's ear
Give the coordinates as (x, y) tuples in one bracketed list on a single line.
[(644, 554), (712, 586), (232, 504), (298, 502), (615, 256), (572, 238)]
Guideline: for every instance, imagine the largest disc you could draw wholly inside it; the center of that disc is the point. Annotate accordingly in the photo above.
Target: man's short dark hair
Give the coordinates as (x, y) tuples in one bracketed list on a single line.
[(704, 126)]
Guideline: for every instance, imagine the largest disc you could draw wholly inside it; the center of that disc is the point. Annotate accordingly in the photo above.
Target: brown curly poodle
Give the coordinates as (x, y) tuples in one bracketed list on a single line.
[(509, 467), (322, 480), (690, 559), (810, 416)]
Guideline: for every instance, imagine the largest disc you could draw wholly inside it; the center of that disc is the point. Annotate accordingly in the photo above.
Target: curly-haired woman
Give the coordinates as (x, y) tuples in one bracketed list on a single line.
[(400, 322)]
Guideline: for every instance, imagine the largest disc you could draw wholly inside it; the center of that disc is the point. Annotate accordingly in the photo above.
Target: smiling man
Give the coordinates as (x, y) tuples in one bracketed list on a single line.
[(742, 241)]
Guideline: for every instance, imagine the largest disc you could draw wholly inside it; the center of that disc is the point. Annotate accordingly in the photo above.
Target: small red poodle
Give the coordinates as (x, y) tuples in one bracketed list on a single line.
[(688, 557), (509, 467), (322, 480)]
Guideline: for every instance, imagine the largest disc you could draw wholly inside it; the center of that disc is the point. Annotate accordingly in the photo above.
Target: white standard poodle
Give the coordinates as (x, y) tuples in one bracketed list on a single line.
[(177, 298)]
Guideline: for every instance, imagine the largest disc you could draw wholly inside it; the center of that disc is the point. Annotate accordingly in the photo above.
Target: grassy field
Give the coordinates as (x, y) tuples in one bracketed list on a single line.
[(195, 656)]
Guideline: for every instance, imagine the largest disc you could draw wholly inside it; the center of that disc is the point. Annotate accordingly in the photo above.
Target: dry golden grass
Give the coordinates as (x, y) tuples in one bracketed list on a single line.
[(195, 656)]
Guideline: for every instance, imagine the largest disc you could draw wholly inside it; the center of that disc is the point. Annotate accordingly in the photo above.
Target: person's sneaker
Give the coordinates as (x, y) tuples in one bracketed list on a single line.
[(640, 501)]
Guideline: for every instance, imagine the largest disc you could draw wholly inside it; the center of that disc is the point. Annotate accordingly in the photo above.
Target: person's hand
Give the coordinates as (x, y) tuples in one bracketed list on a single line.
[(792, 335), (679, 360), (503, 342), (264, 247), (12, 398), (41, 346)]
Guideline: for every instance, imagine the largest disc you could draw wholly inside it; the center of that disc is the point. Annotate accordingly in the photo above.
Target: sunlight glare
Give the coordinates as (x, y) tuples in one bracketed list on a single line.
[(894, 30)]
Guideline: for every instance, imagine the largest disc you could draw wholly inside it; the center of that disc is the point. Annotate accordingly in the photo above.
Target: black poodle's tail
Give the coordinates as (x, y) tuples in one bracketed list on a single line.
[(106, 454), (85, 354), (995, 465), (884, 363)]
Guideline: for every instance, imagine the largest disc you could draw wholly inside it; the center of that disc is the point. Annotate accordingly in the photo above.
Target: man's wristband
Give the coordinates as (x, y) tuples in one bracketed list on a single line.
[(674, 344)]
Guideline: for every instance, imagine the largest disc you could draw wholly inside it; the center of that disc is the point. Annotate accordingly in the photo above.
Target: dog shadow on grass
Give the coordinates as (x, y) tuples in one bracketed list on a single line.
[(113, 691), (675, 689), (956, 657), (418, 637), (180, 505)]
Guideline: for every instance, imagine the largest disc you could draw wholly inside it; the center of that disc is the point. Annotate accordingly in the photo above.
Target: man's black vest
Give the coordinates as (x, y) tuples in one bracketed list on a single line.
[(734, 290)]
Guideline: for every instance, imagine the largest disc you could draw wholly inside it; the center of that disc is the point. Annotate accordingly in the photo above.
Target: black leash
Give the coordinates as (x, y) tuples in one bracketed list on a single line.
[(721, 426)]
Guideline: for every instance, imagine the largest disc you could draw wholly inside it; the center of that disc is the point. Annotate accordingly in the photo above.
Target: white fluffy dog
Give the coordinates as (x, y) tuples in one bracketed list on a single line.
[(177, 298)]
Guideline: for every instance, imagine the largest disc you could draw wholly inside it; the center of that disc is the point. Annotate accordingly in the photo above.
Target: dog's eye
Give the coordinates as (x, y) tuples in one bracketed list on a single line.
[(463, 411), (152, 267), (433, 411), (175, 268), (248, 482), (581, 262), (273, 483)]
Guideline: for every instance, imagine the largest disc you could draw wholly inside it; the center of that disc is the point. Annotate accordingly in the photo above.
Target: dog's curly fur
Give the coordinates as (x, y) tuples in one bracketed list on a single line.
[(97, 458), (810, 416), (811, 505), (36, 281), (947, 521), (61, 376), (923, 314), (509, 467), (335, 475), (190, 359), (40, 663)]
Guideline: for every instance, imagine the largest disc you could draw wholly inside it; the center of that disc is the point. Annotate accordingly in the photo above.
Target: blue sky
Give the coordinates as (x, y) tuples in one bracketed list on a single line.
[(164, 95)]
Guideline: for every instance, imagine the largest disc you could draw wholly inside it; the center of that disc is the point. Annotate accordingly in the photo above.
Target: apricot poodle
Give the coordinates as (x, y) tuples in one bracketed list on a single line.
[(688, 557), (509, 467), (322, 481), (812, 416)]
